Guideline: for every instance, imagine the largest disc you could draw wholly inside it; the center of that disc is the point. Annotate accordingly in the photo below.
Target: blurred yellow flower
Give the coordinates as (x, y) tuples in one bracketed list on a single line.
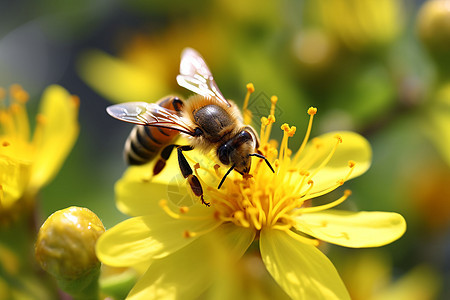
[(28, 163), (369, 276), (274, 208), (361, 25), (433, 27), (144, 68)]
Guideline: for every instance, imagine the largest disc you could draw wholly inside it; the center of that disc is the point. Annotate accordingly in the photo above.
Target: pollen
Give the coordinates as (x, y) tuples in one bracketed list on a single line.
[(6, 144)]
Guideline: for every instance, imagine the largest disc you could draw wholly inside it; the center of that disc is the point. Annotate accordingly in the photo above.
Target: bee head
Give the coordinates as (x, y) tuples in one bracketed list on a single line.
[(237, 151)]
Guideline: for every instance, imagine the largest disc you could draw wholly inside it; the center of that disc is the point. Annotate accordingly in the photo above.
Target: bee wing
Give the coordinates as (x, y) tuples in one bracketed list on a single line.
[(196, 76), (149, 114)]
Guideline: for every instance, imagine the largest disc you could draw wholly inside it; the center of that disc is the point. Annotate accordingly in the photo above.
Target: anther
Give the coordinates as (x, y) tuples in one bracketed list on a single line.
[(338, 137), (6, 144), (197, 166), (184, 209), (274, 99), (312, 111), (250, 87), (187, 234), (76, 100), (351, 164)]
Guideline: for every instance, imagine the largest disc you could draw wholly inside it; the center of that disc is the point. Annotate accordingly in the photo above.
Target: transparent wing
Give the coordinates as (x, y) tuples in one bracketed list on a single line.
[(149, 114), (196, 76)]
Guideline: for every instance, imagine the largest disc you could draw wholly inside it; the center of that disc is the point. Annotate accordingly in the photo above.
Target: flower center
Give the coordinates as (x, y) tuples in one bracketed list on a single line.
[(265, 199)]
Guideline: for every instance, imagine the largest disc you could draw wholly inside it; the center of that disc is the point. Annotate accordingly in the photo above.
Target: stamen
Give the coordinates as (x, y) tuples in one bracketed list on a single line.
[(302, 238), (265, 134), (247, 112), (182, 215), (347, 193), (270, 120), (288, 132), (165, 207), (189, 234), (311, 112), (264, 123), (253, 212)]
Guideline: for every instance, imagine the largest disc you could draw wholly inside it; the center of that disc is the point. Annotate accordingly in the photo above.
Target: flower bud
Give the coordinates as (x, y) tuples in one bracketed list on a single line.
[(65, 245)]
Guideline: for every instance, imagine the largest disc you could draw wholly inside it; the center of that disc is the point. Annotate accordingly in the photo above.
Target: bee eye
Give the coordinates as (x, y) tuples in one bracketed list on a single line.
[(243, 137), (198, 132), (223, 153)]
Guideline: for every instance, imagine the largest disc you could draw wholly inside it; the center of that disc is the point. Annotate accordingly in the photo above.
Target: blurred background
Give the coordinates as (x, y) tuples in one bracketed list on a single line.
[(380, 68)]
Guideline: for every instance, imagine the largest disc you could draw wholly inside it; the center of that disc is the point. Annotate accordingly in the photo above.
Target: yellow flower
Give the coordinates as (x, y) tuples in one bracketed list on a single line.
[(28, 163), (361, 24), (369, 276), (179, 243)]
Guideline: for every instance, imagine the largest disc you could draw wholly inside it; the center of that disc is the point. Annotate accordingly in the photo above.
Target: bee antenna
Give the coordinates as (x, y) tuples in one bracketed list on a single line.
[(263, 157), (225, 176)]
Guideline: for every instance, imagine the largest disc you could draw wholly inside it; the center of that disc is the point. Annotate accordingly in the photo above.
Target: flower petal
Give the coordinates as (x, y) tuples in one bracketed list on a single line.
[(119, 80), (14, 177), (354, 147), (299, 268), (188, 272), (137, 192), (353, 229), (55, 134), (151, 236)]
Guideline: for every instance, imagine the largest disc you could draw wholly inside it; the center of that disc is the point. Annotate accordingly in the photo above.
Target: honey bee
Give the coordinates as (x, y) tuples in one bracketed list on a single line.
[(207, 119)]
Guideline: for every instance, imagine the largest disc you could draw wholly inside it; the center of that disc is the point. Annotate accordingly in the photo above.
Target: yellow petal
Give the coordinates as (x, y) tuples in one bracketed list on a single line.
[(353, 229), (119, 80), (137, 191), (151, 236), (14, 177), (188, 272), (56, 132), (299, 268), (354, 148)]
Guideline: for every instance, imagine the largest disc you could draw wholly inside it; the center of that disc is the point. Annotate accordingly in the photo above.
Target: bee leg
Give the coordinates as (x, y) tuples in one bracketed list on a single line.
[(186, 171), (164, 156)]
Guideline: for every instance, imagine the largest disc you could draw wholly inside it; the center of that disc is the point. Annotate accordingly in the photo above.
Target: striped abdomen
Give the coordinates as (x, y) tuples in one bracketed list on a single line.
[(145, 142)]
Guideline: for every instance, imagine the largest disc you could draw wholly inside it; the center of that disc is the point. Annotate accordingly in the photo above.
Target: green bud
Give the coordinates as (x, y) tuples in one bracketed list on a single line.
[(65, 248)]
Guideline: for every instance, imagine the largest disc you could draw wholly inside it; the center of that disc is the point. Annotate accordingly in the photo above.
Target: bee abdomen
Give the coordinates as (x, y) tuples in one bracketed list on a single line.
[(145, 142)]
